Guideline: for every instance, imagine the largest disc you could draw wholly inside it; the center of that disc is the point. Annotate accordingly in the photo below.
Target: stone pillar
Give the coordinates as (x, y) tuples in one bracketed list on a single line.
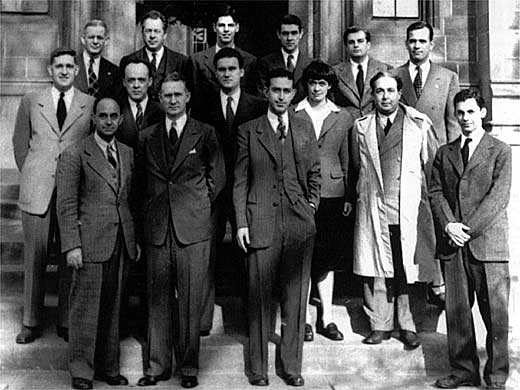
[(331, 36), (304, 10)]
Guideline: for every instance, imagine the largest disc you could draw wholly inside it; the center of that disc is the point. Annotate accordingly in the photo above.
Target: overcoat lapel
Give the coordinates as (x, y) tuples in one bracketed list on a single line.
[(369, 133), (48, 110), (97, 161), (188, 140)]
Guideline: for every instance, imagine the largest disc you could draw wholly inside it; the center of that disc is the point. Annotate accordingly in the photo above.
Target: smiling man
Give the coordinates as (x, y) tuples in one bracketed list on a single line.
[(393, 147), (47, 122), (275, 194), (289, 32)]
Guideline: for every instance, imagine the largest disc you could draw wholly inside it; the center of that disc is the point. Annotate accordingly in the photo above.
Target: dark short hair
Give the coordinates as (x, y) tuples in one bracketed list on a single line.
[(290, 19), (228, 52), (96, 23), (138, 61), (62, 51), (96, 102), (225, 10), (154, 14), (319, 70), (378, 75), (278, 73), (355, 29), (465, 94), (418, 26), (176, 76)]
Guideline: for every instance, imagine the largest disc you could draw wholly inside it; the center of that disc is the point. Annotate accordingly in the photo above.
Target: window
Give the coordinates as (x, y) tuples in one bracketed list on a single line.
[(396, 8)]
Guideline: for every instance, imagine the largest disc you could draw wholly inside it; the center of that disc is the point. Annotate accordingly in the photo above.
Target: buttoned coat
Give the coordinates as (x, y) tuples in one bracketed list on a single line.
[(128, 132), (333, 145), (436, 99), (347, 95), (476, 196), (372, 249), (255, 197), (185, 191), (38, 142), (109, 78), (275, 60), (92, 204)]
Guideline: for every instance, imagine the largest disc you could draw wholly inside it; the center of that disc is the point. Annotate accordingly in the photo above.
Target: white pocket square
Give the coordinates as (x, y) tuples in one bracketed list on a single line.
[(192, 151)]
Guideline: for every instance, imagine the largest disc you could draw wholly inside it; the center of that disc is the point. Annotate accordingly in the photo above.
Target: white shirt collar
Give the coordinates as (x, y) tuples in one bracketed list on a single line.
[(354, 66), (103, 144), (383, 119), (179, 124), (69, 95), (159, 57), (304, 104), (295, 56), (133, 105), (223, 100), (425, 69), (273, 119), (86, 60), (217, 47), (475, 136)]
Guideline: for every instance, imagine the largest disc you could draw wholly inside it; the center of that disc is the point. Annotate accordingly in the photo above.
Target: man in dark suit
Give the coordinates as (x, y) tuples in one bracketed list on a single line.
[(275, 195), (47, 122), (163, 61), (226, 110), (205, 82), (138, 111), (97, 76), (469, 191), (289, 32), (94, 180), (181, 172), (354, 74)]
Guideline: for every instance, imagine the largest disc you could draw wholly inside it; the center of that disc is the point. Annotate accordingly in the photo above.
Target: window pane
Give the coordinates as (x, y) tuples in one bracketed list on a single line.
[(384, 8), (407, 8)]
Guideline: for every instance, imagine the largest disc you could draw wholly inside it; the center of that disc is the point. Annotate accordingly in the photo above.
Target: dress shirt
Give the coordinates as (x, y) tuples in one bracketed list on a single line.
[(217, 47), (224, 98), (158, 58), (103, 146), (383, 119), (294, 59), (179, 124), (133, 106), (355, 70), (425, 68), (475, 136), (318, 114), (95, 65), (69, 94), (273, 120)]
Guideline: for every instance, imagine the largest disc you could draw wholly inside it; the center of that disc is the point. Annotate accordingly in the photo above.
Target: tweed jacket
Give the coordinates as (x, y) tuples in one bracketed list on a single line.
[(127, 132), (254, 199), (109, 78), (92, 204), (436, 99), (476, 196), (38, 142)]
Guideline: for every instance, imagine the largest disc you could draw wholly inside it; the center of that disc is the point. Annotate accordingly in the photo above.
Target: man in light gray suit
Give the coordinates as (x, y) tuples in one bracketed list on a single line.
[(94, 180), (354, 74), (47, 122)]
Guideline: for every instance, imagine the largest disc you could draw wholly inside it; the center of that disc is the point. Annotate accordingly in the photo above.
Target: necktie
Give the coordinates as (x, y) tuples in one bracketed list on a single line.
[(61, 113), (154, 61), (417, 82), (173, 135), (139, 116), (110, 157), (290, 65), (281, 129), (93, 87), (465, 152), (230, 116), (387, 126), (360, 80)]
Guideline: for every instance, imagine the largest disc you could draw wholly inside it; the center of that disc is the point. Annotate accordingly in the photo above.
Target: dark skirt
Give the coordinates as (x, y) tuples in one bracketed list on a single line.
[(332, 238)]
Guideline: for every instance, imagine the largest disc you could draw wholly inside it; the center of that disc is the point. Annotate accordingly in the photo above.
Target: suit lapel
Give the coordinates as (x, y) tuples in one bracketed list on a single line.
[(372, 69), (395, 134), (348, 79), (81, 78), (124, 165), (97, 161), (431, 83), (76, 110), (328, 123), (298, 69), (48, 110), (157, 148), (188, 140), (481, 153), (454, 155), (408, 95), (208, 62), (266, 139)]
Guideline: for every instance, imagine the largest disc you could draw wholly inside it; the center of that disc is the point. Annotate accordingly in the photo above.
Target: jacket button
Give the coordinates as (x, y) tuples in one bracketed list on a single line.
[(319, 146), (275, 204)]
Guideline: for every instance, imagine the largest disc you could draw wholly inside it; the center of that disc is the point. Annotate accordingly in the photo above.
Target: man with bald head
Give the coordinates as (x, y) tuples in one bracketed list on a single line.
[(97, 233)]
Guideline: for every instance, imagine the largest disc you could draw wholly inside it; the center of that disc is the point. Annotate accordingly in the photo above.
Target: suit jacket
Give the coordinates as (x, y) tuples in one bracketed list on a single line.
[(346, 94), (92, 204), (249, 107), (171, 60), (184, 192), (254, 199), (436, 99), (109, 78), (333, 145), (476, 196), (275, 60), (204, 76), (127, 132), (372, 249), (38, 142)]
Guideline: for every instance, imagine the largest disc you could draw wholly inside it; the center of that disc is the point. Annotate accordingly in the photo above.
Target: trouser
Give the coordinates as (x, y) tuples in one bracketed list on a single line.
[(383, 296), (174, 289), (283, 266), (40, 235), (95, 299), (490, 281)]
